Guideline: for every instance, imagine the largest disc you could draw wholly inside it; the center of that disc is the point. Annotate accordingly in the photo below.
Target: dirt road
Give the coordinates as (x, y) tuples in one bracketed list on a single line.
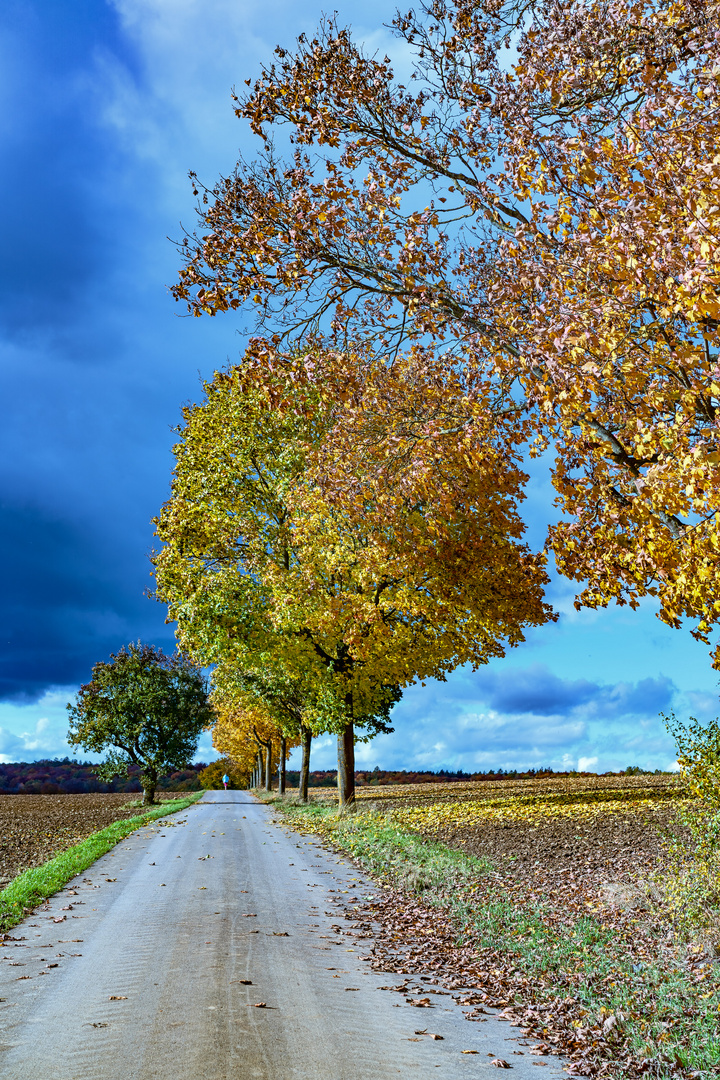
[(154, 965)]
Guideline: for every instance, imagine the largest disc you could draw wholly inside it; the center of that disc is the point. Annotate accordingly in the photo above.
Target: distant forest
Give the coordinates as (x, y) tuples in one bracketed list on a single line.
[(61, 776), (380, 777)]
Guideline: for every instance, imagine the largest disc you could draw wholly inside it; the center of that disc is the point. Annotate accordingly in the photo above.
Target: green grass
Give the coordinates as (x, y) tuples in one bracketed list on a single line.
[(663, 1015), (34, 886)]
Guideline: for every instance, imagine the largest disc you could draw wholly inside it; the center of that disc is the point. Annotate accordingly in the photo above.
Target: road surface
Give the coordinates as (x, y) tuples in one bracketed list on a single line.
[(168, 945)]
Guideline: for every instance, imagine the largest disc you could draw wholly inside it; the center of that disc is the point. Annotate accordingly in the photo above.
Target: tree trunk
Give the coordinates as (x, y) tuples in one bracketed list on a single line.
[(268, 766), (281, 777), (346, 767), (149, 783), (306, 737)]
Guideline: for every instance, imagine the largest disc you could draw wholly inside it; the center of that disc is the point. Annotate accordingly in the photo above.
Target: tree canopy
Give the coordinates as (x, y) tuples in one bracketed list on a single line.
[(146, 709), (536, 213), (410, 571)]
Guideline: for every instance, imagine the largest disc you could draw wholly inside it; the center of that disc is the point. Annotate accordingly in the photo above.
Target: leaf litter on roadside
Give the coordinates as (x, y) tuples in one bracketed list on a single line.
[(553, 844)]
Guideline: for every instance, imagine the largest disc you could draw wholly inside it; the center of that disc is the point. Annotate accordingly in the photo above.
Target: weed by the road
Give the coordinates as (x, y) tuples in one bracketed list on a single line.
[(597, 984), (35, 885)]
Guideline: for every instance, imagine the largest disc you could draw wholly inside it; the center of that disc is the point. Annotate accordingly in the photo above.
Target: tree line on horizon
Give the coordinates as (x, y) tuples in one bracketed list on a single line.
[(66, 776)]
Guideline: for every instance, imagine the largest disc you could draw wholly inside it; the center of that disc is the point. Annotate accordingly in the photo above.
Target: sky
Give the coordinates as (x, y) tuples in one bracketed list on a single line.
[(104, 107)]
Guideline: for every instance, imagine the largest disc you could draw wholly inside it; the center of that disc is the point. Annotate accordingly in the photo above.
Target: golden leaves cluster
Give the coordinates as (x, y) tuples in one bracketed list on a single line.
[(300, 541), (549, 233)]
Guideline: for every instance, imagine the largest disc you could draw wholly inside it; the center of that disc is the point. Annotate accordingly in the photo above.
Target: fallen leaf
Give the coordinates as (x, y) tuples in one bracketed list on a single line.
[(52, 965), (248, 915), (438, 1038), (258, 1005), (280, 933), (500, 1063), (118, 997), (60, 918), (111, 879), (469, 1051), (352, 987)]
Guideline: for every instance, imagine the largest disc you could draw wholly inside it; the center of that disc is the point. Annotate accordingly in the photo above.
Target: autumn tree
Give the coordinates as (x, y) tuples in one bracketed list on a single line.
[(283, 698), (247, 732), (405, 574), (211, 776), (536, 210), (144, 708)]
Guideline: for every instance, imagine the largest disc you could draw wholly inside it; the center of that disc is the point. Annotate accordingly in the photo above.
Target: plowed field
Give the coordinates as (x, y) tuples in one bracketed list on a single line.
[(599, 827), (34, 828)]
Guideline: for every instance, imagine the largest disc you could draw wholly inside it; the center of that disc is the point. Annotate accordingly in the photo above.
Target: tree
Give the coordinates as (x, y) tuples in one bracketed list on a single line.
[(287, 699), (262, 709), (211, 776), (248, 731), (414, 571), (698, 749), (550, 228), (148, 709)]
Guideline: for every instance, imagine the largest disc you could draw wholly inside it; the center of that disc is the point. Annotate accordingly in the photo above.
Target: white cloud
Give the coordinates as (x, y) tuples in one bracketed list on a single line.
[(29, 732), (520, 718), (33, 731)]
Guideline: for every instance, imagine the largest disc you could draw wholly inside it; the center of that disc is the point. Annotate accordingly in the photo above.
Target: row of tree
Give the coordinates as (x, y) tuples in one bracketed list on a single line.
[(451, 277), (315, 610)]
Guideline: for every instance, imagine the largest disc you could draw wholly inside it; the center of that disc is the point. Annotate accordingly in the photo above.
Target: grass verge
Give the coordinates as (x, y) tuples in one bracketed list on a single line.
[(34, 886), (599, 987)]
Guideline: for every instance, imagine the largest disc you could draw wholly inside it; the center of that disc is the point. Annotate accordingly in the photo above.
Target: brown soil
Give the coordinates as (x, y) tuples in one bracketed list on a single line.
[(34, 828), (610, 846)]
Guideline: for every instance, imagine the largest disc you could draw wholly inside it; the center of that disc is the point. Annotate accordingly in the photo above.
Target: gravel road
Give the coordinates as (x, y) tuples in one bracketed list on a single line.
[(153, 965)]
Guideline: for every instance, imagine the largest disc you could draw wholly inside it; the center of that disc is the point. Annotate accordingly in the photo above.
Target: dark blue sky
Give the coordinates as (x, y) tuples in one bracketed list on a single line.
[(106, 104)]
